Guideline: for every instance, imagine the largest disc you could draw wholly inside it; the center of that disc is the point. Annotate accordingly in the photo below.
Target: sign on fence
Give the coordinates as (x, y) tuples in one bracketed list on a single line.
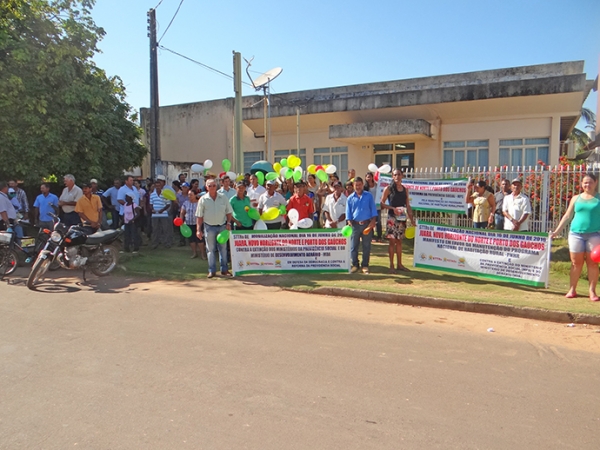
[(284, 251), (515, 257)]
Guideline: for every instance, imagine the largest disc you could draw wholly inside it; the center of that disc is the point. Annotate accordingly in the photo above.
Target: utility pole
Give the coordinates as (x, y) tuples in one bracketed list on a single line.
[(154, 123), (237, 123)]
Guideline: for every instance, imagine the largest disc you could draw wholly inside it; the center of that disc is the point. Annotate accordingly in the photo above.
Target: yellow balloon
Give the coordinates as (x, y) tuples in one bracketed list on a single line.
[(168, 194), (277, 167), (409, 233), (270, 214), (312, 169), (293, 161)]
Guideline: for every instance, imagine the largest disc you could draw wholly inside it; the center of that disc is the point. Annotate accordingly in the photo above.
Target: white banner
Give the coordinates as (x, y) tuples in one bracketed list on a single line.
[(284, 251), (514, 257), (431, 195)]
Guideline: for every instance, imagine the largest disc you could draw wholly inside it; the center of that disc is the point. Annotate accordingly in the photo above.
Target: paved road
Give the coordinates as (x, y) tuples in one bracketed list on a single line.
[(122, 364)]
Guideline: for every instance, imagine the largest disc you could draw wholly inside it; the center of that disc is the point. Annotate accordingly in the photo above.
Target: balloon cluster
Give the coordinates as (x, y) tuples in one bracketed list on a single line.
[(290, 168), (208, 164), (386, 168)]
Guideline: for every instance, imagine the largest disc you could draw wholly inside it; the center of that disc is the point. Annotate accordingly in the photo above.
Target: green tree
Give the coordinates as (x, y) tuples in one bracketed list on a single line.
[(578, 135), (59, 112)]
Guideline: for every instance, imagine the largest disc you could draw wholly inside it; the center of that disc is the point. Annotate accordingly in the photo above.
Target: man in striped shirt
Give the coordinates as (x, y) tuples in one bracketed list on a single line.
[(162, 231)]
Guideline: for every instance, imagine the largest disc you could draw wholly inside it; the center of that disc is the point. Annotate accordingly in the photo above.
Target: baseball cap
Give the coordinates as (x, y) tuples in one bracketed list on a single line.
[(271, 182), (11, 190), (185, 184), (93, 180), (161, 177), (516, 180)]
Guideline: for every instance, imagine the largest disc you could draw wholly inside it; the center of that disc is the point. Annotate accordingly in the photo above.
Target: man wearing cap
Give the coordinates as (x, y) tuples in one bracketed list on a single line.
[(44, 204), (239, 203), (21, 197), (361, 215), (213, 215), (334, 208), (516, 208), (89, 208), (271, 199), (94, 185), (68, 199), (226, 188), (8, 214)]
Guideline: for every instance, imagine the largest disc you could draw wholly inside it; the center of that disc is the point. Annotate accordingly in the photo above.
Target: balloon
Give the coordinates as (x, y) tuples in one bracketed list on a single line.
[(283, 162), (347, 231), (277, 167), (169, 194), (305, 223), (312, 169), (177, 221), (197, 168), (331, 169), (376, 176), (595, 255), (294, 161), (272, 176), (282, 172), (226, 165), (294, 227), (322, 175), (232, 176), (372, 168), (293, 215), (288, 173), (253, 214), (223, 236), (297, 174), (185, 230), (221, 175), (270, 214), (261, 178), (208, 164), (409, 233), (260, 225), (386, 168), (282, 210), (240, 177), (319, 168), (246, 208)]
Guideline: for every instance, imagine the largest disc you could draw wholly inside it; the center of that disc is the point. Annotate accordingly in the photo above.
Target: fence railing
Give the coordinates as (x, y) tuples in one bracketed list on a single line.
[(549, 188)]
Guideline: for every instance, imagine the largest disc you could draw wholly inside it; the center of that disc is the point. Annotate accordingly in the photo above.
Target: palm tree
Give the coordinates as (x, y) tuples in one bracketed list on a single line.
[(579, 136)]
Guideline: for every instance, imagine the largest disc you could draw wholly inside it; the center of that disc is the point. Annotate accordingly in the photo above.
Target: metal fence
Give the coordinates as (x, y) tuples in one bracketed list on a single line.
[(550, 188)]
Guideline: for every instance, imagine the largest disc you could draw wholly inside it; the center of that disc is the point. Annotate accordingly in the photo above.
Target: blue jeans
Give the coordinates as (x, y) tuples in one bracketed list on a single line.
[(357, 235), (210, 236), (499, 221)]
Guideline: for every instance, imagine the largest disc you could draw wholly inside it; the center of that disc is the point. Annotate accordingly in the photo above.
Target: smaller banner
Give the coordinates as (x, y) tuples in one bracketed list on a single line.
[(515, 257), (284, 251)]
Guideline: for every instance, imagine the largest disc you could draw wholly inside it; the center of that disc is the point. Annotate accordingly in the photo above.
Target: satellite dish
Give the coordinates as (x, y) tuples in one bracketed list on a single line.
[(266, 77)]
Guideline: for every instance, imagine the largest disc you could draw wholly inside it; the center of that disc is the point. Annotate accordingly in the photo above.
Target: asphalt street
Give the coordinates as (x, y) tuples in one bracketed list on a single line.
[(120, 363)]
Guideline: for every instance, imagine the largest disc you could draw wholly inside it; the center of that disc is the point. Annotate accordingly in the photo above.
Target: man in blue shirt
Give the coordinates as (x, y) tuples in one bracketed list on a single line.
[(111, 203), (46, 203), (361, 214)]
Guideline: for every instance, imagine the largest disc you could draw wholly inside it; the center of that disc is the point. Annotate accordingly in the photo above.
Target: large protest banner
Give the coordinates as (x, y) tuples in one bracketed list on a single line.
[(284, 251), (516, 257), (431, 195)]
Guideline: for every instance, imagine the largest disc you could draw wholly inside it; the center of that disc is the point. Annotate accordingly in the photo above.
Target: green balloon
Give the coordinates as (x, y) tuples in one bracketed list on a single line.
[(253, 214), (272, 176), (283, 162), (282, 210), (288, 173), (185, 230), (226, 165), (297, 175), (261, 178), (322, 175), (347, 231), (223, 236)]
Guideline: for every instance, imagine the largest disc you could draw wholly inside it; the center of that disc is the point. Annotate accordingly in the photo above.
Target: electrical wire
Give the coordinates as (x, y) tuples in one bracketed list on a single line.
[(174, 15), (201, 64), (158, 4)]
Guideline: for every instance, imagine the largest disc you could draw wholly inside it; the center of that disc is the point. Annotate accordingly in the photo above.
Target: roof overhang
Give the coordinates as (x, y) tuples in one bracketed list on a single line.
[(373, 132)]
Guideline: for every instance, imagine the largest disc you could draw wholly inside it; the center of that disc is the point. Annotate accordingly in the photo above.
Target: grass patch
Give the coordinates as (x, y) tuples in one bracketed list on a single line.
[(175, 264)]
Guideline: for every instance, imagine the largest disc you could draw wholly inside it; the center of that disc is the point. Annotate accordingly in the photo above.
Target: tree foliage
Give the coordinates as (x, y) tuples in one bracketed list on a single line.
[(59, 112), (578, 135)]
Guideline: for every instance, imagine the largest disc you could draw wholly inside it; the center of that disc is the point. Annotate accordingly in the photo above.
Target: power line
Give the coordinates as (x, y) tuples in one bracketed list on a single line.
[(174, 15), (201, 64), (158, 4)]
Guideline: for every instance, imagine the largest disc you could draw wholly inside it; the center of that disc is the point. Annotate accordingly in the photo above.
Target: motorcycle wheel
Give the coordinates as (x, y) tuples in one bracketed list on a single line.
[(8, 261), (39, 268), (106, 262)]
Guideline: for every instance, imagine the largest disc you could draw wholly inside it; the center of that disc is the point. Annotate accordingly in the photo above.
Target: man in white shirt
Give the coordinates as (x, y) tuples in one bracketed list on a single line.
[(68, 200), (8, 214), (516, 208), (334, 208), (254, 191), (271, 199)]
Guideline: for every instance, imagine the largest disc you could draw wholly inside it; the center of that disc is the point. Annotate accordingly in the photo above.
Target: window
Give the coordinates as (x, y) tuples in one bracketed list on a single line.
[(250, 158), (338, 156), (400, 155), (524, 152), (280, 154), (466, 153)]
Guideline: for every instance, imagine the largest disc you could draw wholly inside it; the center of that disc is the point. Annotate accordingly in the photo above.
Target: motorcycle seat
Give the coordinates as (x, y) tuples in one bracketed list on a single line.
[(101, 237)]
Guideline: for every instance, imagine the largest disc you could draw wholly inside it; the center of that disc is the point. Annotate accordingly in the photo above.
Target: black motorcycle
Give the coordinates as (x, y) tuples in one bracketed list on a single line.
[(76, 248)]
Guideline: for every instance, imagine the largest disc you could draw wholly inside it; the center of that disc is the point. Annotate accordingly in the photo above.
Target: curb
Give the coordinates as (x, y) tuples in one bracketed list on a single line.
[(457, 305)]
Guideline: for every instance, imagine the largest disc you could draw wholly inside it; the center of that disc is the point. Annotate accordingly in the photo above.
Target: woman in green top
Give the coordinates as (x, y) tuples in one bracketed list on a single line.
[(584, 234)]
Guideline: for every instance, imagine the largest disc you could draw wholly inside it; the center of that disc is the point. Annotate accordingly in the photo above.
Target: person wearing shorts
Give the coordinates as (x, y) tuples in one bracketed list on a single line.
[(584, 235)]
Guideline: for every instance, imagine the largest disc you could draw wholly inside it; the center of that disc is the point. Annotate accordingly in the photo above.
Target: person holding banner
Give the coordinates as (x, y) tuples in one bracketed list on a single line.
[(361, 215), (483, 203), (516, 208), (335, 207), (271, 199), (584, 235), (395, 200), (240, 204)]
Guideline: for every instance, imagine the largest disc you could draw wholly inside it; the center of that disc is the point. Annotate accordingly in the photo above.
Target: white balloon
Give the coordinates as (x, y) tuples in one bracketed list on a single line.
[(331, 169), (293, 215), (260, 225), (294, 227), (208, 164), (305, 223), (282, 172), (232, 176), (197, 168), (372, 168), (386, 168)]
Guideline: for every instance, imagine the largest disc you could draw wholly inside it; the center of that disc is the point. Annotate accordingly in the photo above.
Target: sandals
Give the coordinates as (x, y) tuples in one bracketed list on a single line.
[(404, 269)]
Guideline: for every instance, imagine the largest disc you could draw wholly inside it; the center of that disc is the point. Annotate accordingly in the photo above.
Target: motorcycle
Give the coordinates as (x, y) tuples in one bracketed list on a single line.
[(75, 248)]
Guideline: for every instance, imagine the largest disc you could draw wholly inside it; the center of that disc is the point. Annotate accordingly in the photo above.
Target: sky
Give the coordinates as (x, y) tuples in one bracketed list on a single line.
[(331, 43)]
